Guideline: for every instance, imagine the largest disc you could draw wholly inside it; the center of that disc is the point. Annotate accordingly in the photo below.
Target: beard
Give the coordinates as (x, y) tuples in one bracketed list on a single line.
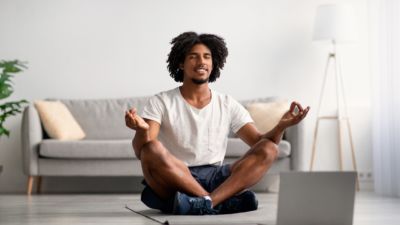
[(199, 81)]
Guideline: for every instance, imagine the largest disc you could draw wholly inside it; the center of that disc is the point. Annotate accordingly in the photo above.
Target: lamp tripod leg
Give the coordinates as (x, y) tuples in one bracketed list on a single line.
[(321, 96), (340, 144), (353, 156), (314, 145), (341, 85)]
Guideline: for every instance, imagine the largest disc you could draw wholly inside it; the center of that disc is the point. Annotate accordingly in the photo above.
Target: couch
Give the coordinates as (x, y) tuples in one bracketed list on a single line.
[(106, 150)]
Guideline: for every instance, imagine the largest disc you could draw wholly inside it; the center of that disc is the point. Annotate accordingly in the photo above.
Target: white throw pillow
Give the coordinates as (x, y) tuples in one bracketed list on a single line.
[(266, 115), (58, 121)]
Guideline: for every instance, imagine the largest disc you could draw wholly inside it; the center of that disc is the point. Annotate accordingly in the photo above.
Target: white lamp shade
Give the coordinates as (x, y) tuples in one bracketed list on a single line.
[(335, 22)]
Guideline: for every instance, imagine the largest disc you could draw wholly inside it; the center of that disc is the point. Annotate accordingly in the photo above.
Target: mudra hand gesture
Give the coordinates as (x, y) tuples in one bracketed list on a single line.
[(292, 117), (134, 121)]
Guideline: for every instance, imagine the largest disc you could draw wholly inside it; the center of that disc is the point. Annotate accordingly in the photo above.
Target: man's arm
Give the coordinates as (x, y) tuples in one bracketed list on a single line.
[(144, 136), (250, 134), (146, 130)]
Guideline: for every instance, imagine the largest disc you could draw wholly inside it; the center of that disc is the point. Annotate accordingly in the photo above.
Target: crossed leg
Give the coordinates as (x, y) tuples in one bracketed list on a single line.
[(247, 171), (166, 174)]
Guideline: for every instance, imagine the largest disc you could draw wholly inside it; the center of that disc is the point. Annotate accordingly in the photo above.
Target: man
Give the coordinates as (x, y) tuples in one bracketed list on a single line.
[(181, 137)]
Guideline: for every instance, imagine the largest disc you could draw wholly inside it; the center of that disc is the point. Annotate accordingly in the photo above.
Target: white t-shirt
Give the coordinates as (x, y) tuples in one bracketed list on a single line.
[(196, 136)]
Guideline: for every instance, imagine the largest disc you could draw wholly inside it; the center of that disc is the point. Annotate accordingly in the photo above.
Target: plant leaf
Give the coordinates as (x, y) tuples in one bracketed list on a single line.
[(4, 131), (7, 68)]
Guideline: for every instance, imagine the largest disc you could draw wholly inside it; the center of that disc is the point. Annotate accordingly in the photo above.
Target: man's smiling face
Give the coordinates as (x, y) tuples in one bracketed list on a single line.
[(197, 65)]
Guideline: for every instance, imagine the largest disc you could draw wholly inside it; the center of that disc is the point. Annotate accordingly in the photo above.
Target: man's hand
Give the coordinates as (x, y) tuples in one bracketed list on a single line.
[(292, 117), (134, 121)]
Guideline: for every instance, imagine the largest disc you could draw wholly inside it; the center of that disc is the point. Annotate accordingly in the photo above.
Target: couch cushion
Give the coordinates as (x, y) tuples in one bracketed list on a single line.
[(58, 121), (266, 115), (246, 104), (95, 149), (104, 118), (236, 148)]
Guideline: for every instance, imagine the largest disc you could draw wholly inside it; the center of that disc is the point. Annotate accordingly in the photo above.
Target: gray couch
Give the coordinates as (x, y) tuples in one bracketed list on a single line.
[(106, 150)]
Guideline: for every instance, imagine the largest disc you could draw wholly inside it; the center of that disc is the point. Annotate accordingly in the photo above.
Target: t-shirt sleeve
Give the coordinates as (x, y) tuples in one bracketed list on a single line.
[(154, 109), (239, 115)]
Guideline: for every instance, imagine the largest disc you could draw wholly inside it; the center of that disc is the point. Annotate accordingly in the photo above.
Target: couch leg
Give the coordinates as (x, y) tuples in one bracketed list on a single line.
[(39, 184), (30, 184)]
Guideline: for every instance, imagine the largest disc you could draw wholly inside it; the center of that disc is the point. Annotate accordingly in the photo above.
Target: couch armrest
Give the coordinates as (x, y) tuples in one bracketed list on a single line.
[(295, 135), (31, 136)]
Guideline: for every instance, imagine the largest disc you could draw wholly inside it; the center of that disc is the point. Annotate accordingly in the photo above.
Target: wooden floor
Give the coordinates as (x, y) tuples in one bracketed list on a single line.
[(110, 209)]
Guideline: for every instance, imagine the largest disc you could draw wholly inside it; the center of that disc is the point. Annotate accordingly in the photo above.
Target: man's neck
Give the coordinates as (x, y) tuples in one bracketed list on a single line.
[(196, 95)]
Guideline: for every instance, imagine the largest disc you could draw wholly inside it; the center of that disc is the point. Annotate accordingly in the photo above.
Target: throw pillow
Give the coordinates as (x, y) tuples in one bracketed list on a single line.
[(266, 115), (58, 121)]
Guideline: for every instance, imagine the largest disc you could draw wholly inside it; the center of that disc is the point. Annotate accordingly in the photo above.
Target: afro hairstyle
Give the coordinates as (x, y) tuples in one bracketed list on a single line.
[(183, 43)]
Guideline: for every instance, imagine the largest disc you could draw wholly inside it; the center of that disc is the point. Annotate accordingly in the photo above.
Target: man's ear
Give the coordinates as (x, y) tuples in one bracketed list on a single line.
[(181, 66)]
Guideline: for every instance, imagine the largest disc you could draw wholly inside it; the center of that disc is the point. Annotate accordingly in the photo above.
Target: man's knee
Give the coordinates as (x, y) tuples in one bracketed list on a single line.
[(267, 150), (153, 150)]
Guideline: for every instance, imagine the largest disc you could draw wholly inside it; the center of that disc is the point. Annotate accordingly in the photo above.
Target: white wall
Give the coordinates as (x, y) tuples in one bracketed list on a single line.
[(118, 48)]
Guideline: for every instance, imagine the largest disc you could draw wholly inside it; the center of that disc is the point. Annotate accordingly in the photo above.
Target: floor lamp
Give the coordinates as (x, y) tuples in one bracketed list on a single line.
[(335, 23)]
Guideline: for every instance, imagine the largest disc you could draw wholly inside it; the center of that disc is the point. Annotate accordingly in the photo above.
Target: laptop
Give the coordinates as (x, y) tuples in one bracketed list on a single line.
[(321, 198)]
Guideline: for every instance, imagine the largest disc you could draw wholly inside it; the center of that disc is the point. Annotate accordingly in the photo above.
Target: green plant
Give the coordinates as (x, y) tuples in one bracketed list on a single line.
[(7, 70)]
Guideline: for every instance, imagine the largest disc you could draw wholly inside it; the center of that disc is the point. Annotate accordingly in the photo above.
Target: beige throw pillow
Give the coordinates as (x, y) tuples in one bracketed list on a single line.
[(58, 121), (266, 115)]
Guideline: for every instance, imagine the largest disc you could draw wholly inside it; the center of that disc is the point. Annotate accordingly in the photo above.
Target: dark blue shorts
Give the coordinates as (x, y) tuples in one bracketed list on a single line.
[(208, 176)]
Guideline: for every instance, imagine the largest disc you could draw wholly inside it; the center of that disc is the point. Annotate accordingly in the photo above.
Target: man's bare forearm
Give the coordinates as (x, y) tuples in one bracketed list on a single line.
[(275, 135), (141, 138)]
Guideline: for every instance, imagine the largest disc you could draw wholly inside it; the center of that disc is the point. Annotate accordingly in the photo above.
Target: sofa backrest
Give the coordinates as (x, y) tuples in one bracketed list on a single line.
[(245, 103), (104, 118)]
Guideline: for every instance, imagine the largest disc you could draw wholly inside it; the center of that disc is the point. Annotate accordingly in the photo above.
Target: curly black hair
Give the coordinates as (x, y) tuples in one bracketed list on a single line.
[(183, 43)]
